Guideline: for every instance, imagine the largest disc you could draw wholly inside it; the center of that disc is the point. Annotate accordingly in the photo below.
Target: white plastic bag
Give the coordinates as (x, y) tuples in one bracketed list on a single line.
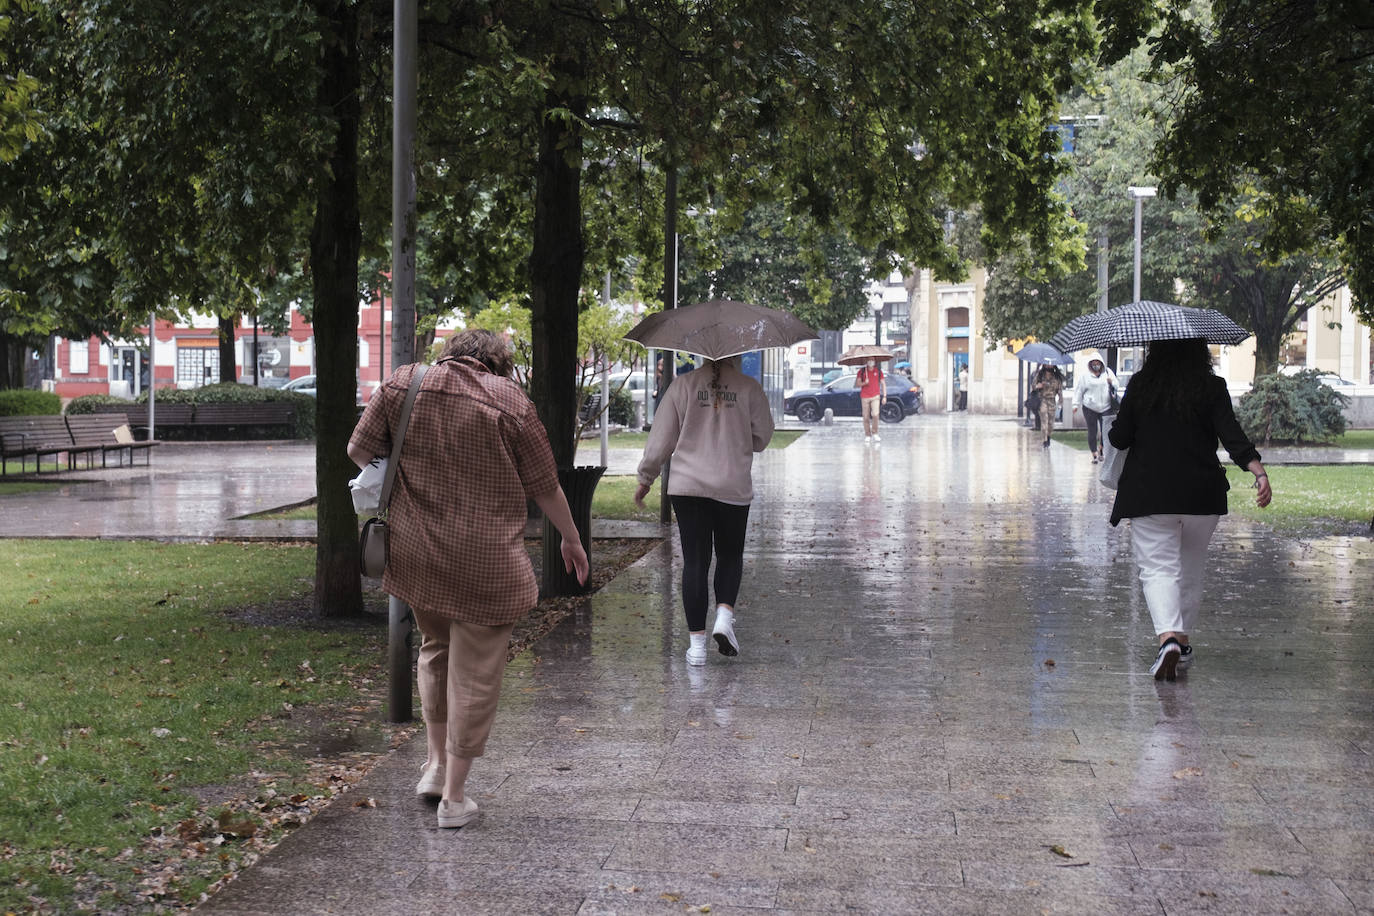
[(1113, 458), (367, 486)]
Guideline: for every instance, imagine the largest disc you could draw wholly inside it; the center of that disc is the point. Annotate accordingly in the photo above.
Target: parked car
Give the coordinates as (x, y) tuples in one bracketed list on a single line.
[(306, 385), (303, 385), (842, 396)]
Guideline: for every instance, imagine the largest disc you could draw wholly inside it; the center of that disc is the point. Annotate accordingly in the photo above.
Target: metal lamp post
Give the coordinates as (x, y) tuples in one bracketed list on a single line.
[(875, 301), (1138, 195)]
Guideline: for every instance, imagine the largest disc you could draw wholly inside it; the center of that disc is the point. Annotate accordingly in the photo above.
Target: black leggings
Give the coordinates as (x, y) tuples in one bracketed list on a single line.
[(700, 522), (1093, 420)]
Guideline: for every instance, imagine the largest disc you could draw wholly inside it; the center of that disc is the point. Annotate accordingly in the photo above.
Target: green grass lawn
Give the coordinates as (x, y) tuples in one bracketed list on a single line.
[(1308, 499), (127, 694), (11, 487), (1073, 438), (1356, 438)]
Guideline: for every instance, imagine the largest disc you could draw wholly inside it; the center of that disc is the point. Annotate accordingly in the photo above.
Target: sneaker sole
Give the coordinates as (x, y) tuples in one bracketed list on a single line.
[(462, 820), (725, 646), (1167, 667)]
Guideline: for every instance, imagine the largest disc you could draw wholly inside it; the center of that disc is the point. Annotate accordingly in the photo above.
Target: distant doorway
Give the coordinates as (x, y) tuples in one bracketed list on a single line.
[(128, 372)]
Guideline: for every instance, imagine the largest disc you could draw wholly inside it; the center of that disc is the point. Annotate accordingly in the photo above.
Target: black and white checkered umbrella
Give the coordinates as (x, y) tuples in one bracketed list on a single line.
[(1138, 323)]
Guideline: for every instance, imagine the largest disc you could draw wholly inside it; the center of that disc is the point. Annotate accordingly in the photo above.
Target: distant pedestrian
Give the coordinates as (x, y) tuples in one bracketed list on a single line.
[(1092, 393), (963, 387), (872, 392), (1049, 384), (474, 452), (711, 423), (1172, 487)]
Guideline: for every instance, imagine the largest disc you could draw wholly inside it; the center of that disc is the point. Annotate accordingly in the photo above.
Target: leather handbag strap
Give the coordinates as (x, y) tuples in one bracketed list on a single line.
[(394, 461)]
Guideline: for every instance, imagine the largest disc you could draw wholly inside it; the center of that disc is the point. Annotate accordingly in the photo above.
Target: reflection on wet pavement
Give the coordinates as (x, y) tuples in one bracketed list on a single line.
[(941, 705)]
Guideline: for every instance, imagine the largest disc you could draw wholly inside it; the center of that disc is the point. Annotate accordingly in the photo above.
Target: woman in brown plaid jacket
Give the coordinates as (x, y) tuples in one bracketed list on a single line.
[(474, 451)]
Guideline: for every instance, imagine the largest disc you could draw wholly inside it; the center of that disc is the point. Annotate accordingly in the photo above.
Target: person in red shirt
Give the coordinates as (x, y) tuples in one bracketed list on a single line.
[(872, 392)]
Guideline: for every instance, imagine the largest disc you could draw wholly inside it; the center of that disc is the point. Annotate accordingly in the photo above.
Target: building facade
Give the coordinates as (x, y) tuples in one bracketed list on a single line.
[(187, 355), (938, 327)]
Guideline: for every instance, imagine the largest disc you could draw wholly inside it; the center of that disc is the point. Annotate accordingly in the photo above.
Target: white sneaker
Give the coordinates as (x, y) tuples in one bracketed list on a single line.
[(868, 438), (457, 814), (724, 631), (696, 655), (431, 784), (877, 438)]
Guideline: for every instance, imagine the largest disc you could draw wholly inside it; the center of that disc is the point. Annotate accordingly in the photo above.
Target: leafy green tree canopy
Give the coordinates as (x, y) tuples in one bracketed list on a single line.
[(1278, 96)]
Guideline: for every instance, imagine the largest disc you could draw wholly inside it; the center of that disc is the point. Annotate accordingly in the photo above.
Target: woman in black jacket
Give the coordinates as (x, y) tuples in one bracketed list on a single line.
[(1172, 487)]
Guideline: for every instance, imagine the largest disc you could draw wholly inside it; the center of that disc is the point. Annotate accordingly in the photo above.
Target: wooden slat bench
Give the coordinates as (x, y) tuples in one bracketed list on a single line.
[(101, 431), (164, 415), (39, 437), (268, 413)]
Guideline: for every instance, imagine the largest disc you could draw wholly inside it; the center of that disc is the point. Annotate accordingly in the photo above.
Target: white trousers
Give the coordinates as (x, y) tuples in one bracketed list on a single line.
[(1170, 552)]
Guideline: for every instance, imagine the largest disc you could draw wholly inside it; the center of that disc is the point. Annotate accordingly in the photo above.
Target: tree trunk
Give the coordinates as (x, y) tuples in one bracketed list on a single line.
[(556, 259), (1267, 353), (227, 369), (335, 240), (13, 351)]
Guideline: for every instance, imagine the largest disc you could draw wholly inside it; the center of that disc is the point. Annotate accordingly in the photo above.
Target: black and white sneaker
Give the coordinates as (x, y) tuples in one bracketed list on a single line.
[(1165, 667), (1185, 658)]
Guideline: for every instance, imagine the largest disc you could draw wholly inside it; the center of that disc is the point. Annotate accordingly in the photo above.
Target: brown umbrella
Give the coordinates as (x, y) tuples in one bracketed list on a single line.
[(857, 356), (720, 328)]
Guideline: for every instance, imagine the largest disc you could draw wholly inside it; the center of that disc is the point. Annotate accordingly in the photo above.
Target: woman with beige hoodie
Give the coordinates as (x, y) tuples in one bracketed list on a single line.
[(710, 423)]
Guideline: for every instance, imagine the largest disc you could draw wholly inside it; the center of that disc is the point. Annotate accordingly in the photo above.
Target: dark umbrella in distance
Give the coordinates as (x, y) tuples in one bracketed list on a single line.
[(1043, 353), (720, 328), (1138, 323)]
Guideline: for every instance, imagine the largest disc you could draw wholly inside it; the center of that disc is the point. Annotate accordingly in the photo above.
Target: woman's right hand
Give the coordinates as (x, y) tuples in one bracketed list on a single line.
[(1265, 494), (641, 491), (575, 559)]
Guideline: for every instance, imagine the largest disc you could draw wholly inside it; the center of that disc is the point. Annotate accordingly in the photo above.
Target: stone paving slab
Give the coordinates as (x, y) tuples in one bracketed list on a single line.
[(942, 685)]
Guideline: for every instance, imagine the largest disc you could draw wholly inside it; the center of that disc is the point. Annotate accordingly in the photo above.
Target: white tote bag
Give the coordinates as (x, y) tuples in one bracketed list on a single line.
[(1113, 458)]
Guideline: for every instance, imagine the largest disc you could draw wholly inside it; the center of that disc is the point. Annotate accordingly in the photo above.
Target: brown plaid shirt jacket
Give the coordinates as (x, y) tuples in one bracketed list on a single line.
[(474, 451)]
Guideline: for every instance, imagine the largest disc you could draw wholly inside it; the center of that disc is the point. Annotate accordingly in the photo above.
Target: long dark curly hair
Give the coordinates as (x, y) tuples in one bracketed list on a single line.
[(1174, 377)]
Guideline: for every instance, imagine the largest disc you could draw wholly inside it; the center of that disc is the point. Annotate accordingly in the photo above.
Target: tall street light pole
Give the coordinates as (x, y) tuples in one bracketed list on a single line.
[(1138, 195), (875, 302), (403, 232)]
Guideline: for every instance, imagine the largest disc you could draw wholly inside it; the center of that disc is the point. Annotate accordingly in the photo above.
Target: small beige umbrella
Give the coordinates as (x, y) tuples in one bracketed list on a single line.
[(857, 356), (720, 328)]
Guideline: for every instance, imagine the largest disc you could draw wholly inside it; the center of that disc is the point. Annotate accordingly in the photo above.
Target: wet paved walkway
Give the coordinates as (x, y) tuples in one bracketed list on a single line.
[(941, 706)]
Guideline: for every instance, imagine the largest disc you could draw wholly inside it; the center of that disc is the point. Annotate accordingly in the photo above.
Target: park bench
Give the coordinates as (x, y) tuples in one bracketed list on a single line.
[(107, 433), (591, 408), (136, 415), (40, 437), (268, 413), (164, 416)]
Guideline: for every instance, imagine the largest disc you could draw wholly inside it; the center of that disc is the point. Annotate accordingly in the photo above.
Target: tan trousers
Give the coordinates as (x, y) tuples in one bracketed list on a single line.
[(460, 670), (869, 409)]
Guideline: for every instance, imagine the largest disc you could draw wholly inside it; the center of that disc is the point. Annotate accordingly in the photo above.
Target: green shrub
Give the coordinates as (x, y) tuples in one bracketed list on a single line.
[(96, 403), (224, 393), (1292, 408), (24, 402), (236, 393)]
